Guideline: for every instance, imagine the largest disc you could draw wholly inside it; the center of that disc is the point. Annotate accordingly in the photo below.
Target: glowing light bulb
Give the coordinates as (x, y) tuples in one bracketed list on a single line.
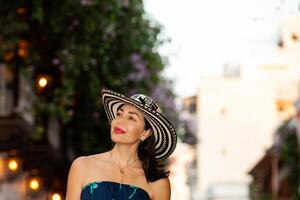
[(56, 196), (43, 82), (34, 184), (13, 165)]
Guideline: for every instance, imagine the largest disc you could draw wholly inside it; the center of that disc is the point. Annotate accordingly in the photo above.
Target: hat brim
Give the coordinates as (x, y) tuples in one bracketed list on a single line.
[(163, 131)]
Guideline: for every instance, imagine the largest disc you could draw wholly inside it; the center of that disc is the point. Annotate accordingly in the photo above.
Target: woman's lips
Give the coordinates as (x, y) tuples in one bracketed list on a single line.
[(118, 130)]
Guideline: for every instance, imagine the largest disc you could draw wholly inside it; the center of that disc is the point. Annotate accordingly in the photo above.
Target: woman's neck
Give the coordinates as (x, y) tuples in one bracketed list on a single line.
[(124, 155)]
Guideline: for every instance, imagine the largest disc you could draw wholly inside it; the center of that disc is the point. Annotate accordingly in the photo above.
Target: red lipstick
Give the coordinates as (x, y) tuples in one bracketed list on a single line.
[(118, 130)]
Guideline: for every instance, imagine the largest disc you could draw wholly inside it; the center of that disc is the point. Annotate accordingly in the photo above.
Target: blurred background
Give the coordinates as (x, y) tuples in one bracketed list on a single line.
[(226, 73)]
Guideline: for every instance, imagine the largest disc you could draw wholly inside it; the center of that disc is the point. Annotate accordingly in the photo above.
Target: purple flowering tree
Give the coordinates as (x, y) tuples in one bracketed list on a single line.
[(85, 45)]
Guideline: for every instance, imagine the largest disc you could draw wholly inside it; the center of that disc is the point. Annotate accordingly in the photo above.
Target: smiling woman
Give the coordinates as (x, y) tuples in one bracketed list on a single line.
[(133, 169), (128, 126)]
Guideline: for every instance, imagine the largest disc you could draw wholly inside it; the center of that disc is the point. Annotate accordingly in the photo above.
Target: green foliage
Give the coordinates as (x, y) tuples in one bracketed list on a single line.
[(289, 155), (258, 194), (85, 44)]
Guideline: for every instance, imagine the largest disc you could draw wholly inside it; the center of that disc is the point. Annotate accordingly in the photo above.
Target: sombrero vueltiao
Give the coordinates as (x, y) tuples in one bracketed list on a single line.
[(164, 133)]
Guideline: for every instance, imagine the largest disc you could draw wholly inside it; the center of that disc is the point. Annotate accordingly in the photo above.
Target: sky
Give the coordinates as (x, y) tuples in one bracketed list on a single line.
[(206, 34)]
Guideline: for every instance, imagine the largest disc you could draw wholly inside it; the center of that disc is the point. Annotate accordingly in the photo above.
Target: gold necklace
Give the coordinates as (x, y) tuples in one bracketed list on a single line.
[(121, 169)]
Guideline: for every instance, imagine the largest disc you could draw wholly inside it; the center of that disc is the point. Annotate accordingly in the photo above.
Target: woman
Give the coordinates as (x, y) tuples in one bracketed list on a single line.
[(131, 170)]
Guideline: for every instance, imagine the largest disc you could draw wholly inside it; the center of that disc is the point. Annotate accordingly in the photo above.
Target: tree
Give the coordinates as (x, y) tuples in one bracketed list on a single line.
[(84, 45), (289, 154)]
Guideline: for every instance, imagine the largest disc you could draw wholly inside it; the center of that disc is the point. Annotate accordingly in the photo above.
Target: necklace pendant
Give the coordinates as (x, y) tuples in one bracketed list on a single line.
[(122, 171)]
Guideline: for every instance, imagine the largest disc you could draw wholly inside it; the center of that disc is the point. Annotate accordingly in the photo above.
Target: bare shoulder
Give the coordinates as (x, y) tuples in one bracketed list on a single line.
[(75, 178), (80, 171), (78, 166), (161, 189), (78, 162), (83, 164), (99, 157), (97, 160)]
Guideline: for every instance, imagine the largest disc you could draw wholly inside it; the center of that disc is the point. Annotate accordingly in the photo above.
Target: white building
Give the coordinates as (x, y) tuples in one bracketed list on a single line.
[(239, 111)]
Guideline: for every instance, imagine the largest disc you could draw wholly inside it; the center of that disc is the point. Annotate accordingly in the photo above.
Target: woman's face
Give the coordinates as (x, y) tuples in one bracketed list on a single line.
[(129, 126)]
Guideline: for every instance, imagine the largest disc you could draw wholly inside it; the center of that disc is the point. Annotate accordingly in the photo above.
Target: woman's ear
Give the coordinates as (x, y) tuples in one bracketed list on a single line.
[(146, 134)]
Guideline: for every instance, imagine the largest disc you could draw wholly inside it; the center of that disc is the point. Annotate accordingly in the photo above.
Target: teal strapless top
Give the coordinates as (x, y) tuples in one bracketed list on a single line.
[(108, 190)]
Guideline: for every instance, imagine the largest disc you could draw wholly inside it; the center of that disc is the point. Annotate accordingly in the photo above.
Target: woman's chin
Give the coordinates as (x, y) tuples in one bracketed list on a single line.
[(116, 138)]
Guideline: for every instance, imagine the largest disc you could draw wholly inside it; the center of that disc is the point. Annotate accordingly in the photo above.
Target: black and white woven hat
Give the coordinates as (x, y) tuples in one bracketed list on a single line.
[(164, 133)]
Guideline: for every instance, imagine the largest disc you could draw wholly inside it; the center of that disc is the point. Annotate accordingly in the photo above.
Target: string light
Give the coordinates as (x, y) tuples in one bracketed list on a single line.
[(34, 184), (13, 165), (56, 196), (42, 82)]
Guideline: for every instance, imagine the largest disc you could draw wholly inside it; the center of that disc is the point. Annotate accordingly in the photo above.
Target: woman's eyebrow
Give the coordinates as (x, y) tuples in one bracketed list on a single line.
[(134, 113), (120, 109), (130, 112)]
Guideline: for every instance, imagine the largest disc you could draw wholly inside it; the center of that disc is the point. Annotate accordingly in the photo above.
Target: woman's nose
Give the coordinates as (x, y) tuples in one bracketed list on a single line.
[(119, 119)]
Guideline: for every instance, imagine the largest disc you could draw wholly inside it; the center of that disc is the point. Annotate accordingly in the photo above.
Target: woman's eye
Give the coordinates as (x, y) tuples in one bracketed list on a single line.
[(118, 114), (131, 118)]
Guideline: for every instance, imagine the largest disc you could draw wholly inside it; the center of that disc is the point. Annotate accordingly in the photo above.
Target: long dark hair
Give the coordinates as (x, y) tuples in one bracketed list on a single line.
[(153, 168)]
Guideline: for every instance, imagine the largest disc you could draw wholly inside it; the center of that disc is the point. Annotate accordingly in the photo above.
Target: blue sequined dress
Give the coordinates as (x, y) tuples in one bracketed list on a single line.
[(108, 190)]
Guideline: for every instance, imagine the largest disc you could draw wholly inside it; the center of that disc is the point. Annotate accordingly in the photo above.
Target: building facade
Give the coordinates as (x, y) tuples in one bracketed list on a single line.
[(240, 111)]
